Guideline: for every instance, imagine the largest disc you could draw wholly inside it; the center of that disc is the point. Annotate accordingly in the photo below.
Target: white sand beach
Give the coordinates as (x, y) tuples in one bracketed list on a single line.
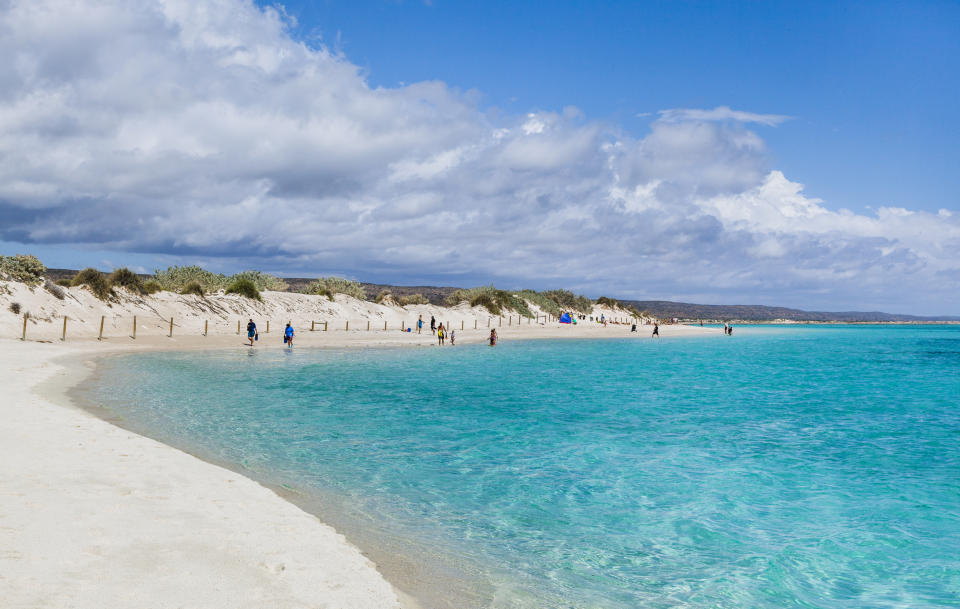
[(94, 516)]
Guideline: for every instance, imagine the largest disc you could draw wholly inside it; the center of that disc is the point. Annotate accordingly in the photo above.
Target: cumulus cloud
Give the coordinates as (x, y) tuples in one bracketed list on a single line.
[(201, 130)]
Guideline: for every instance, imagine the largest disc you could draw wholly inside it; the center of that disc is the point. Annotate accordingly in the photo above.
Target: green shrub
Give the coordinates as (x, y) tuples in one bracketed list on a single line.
[(491, 298), (603, 301), (95, 281), (546, 305), (385, 297), (174, 278), (194, 287), (568, 301), (412, 299), (127, 279), (328, 286), (263, 281), (245, 288), (63, 282), (152, 286), (15, 308), (57, 291), (23, 268)]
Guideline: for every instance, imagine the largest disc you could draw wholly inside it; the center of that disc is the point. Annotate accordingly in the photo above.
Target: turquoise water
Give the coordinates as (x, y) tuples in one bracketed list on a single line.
[(803, 467)]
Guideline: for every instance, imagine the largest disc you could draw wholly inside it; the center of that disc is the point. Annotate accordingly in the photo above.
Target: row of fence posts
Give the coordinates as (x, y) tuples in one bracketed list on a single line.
[(313, 325)]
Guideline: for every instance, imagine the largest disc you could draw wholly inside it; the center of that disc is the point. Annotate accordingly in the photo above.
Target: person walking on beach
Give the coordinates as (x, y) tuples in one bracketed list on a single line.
[(453, 337), (440, 335), (252, 332), (419, 324), (433, 325), (656, 330), (288, 335)]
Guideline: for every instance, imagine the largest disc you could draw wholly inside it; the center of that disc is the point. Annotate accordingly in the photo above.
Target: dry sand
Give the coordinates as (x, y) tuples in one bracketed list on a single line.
[(94, 516)]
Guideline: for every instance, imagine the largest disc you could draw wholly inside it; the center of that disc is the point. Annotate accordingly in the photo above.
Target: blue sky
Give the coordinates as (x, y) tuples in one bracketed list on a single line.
[(795, 154), (874, 86)]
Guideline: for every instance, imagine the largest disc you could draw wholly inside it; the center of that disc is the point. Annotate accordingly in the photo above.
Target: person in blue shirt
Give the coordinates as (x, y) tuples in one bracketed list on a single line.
[(288, 335), (251, 331)]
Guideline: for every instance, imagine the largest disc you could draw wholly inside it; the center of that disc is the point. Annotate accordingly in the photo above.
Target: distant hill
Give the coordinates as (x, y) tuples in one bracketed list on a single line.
[(665, 309), (662, 309)]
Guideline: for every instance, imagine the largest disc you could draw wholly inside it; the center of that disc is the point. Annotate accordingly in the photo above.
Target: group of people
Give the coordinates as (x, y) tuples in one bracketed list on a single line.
[(728, 329), (253, 334)]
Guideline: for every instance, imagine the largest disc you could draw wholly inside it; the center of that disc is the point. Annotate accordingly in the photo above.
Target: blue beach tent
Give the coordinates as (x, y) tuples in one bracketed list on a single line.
[(565, 318)]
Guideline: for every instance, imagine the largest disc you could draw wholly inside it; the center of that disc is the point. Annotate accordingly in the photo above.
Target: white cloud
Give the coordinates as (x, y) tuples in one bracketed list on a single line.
[(200, 130), (721, 113)]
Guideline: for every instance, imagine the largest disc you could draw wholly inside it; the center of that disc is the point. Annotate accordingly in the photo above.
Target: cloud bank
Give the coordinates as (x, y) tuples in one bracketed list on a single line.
[(200, 129)]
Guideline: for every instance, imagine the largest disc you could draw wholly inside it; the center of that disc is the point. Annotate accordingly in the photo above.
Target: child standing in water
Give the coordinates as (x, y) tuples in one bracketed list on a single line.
[(453, 337), (493, 338)]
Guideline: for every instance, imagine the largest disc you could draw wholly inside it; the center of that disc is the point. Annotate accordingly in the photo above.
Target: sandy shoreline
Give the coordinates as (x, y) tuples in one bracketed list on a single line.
[(92, 515)]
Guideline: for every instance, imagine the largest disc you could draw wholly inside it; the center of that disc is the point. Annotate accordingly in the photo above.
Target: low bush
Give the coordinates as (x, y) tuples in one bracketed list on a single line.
[(263, 281), (385, 297), (95, 281), (128, 280), (412, 299), (64, 282), (568, 301), (491, 298), (328, 286), (152, 286), (603, 301), (23, 268), (174, 278), (15, 308), (245, 288), (195, 288), (57, 291)]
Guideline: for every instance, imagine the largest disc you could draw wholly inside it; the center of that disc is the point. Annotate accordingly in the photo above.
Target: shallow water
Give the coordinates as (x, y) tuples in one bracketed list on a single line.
[(800, 466)]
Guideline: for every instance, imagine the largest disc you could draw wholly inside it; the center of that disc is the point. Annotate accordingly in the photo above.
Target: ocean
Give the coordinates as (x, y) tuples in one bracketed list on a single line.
[(802, 466)]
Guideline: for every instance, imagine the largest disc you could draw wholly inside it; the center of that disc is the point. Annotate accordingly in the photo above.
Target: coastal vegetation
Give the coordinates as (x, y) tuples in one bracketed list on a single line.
[(95, 281), (329, 286), (127, 279), (196, 280), (194, 288), (491, 299), (245, 288), (23, 268), (177, 278)]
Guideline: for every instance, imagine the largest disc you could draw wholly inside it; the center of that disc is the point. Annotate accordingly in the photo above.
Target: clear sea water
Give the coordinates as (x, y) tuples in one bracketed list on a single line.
[(780, 467)]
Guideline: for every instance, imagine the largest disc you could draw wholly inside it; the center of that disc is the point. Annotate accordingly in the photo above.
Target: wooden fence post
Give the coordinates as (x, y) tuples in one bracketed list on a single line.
[(501, 321), (384, 325), (205, 322), (100, 337), (461, 325), (368, 325), (474, 323), (488, 322), (325, 326), (64, 335), (312, 324), (26, 316), (238, 326), (171, 329), (348, 325), (268, 327)]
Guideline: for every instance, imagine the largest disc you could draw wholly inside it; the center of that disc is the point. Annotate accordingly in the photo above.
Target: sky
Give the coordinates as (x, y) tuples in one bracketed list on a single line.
[(795, 154)]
